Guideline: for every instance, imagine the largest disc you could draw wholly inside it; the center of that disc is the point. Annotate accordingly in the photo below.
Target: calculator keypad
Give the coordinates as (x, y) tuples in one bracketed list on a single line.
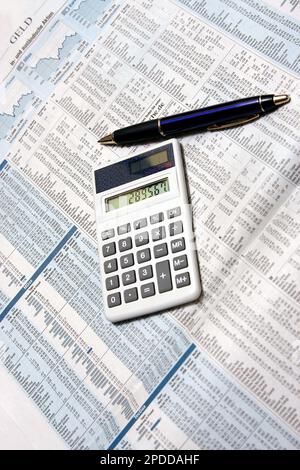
[(163, 275)]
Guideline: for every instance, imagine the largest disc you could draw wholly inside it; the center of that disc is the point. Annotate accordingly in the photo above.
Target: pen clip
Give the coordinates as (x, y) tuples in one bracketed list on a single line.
[(237, 122)]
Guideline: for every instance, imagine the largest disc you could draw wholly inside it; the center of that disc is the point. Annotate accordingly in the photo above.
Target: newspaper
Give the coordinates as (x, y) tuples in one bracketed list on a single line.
[(222, 373)]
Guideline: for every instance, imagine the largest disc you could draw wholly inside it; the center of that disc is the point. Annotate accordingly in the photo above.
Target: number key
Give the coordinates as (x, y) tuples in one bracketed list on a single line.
[(145, 272), (142, 239), (126, 260), (128, 278), (113, 300), (110, 266), (112, 282), (125, 244), (109, 249), (143, 255)]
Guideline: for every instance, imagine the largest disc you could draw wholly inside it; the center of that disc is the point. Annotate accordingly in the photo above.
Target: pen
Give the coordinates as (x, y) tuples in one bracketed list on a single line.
[(217, 117)]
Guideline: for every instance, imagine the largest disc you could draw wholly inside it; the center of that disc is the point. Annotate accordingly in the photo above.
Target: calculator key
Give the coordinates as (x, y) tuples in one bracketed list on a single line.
[(160, 250), (109, 249), (128, 278), (154, 219), (158, 233), (175, 228), (140, 223), (126, 261), (125, 244), (180, 262), (175, 212), (108, 234), (142, 239), (130, 295), (147, 290), (182, 280), (143, 255), (110, 266), (113, 300), (145, 272), (163, 275), (177, 245), (122, 229), (112, 282)]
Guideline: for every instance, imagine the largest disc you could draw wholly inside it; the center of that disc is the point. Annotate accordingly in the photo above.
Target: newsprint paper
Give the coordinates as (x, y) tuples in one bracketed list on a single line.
[(221, 373)]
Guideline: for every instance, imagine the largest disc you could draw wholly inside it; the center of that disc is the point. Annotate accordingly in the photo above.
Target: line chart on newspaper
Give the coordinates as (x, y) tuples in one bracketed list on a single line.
[(222, 373)]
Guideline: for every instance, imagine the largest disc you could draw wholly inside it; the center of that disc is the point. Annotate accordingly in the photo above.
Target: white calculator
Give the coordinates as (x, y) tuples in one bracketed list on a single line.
[(148, 257)]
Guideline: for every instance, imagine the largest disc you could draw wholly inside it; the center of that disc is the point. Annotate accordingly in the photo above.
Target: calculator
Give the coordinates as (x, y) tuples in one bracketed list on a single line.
[(148, 257)]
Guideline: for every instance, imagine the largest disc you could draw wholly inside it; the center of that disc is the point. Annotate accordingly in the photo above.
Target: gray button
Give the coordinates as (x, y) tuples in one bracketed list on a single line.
[(145, 272), (125, 244), (160, 250), (143, 255), (109, 249), (130, 295), (163, 274), (175, 228), (177, 245), (158, 233), (140, 223), (108, 234), (142, 239), (182, 280), (128, 278), (180, 262), (147, 290), (155, 218), (112, 282), (175, 212), (126, 260), (113, 300), (122, 229), (110, 266)]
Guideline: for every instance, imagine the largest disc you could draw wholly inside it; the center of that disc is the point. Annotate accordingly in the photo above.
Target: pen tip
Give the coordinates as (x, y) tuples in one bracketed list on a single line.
[(107, 140), (281, 99)]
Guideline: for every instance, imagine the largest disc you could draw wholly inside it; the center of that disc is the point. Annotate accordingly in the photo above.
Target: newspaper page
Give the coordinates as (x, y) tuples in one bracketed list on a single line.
[(222, 373)]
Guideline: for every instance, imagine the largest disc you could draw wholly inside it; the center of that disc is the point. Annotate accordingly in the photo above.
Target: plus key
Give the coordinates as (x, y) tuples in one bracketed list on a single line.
[(163, 275)]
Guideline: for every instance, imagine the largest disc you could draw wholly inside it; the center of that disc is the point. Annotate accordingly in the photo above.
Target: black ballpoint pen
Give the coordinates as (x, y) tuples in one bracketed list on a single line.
[(220, 116)]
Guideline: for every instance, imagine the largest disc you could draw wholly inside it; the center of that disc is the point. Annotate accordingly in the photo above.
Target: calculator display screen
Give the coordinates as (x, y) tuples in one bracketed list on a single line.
[(137, 194)]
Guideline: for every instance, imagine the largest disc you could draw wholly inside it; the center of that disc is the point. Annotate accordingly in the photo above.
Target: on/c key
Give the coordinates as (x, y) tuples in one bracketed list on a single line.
[(163, 275)]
